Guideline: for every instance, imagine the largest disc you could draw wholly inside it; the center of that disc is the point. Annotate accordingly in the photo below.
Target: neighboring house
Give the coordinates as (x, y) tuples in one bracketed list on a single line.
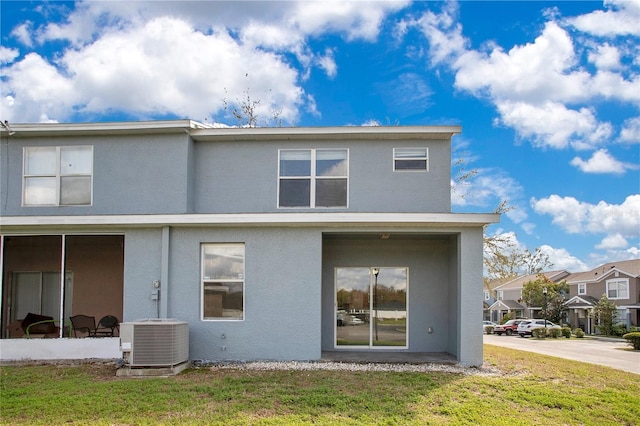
[(619, 281), (509, 296), (489, 297), (261, 239)]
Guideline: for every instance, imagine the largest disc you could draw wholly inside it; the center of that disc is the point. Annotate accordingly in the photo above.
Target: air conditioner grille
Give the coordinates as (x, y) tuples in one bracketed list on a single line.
[(155, 344)]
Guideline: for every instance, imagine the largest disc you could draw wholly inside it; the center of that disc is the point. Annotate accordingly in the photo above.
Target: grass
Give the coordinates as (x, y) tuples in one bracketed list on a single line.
[(530, 390)]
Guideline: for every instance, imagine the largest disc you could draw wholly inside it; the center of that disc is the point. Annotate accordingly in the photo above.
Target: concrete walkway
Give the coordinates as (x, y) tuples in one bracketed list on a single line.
[(608, 352)]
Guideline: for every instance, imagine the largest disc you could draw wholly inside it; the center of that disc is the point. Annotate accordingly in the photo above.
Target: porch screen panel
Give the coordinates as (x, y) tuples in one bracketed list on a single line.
[(26, 294)]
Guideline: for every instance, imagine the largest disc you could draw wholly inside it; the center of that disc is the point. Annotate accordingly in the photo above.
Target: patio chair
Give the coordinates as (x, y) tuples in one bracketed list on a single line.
[(107, 326), (83, 324)]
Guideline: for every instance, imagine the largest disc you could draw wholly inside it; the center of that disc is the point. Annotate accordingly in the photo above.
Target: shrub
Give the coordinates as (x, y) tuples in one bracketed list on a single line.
[(555, 332), (619, 330), (633, 339), (579, 333), (489, 329), (540, 333), (566, 332)]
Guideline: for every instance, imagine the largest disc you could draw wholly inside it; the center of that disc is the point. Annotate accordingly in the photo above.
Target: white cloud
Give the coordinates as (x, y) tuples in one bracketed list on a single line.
[(605, 57), (613, 241), (182, 58), (8, 55), (574, 216), (561, 259), (630, 132), (562, 127), (540, 89), (621, 19), (328, 63), (23, 33), (602, 162)]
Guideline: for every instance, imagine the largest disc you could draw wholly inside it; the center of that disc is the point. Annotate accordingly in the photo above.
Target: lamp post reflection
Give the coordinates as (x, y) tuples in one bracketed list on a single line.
[(375, 271)]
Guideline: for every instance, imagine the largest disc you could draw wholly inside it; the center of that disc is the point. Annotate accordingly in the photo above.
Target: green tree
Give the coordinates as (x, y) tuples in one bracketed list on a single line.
[(605, 313), (554, 305)]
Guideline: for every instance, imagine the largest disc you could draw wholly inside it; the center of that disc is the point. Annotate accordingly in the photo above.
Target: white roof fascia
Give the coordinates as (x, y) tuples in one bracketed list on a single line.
[(205, 132), (107, 128), (258, 219)]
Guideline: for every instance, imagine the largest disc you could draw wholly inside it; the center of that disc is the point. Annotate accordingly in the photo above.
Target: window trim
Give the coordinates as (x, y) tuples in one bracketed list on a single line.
[(487, 296), (424, 158), (625, 281), (582, 289), (313, 178), (232, 280), (58, 175), (500, 294)]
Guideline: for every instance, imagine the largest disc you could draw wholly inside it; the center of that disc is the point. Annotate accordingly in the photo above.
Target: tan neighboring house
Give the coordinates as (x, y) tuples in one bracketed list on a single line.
[(620, 281), (509, 296)]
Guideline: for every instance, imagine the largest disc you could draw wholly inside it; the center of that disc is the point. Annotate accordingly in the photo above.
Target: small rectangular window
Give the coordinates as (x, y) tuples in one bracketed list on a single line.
[(582, 288), (222, 281), (500, 294), (410, 159), (57, 176)]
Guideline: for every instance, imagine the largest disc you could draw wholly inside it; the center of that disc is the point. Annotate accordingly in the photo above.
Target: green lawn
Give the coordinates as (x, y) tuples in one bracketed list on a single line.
[(530, 390)]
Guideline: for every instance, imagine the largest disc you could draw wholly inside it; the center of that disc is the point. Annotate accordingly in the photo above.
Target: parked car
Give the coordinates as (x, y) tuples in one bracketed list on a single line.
[(355, 321), (510, 327), (486, 324), (525, 328)]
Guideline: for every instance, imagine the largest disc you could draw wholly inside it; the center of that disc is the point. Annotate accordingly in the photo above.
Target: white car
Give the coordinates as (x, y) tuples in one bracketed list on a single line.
[(355, 321), (525, 328), (486, 324)]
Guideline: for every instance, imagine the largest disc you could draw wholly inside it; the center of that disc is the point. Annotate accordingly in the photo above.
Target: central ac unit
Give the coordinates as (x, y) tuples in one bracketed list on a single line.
[(154, 342)]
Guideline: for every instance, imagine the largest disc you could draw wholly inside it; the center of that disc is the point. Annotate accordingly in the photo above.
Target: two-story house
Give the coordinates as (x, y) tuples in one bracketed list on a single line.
[(271, 243), (509, 296), (619, 281)]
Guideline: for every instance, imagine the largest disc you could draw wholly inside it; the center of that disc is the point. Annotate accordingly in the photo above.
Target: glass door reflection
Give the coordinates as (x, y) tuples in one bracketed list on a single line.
[(371, 307)]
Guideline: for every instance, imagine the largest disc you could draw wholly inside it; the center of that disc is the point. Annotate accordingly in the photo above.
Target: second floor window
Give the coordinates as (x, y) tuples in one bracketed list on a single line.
[(500, 294), (618, 289), (582, 288), (57, 176), (410, 159), (313, 177)]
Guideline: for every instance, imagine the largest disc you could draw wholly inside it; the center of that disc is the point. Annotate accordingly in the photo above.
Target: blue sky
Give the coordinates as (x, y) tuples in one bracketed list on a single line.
[(547, 93)]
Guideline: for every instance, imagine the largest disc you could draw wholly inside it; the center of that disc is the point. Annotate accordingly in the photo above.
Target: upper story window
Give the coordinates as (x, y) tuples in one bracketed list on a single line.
[(487, 296), (57, 176), (313, 177), (500, 294), (411, 159), (582, 288), (618, 289), (222, 281)]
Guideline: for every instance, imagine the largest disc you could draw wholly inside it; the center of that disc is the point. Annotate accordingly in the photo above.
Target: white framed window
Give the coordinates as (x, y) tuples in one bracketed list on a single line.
[(411, 159), (618, 289), (313, 177), (57, 176), (500, 294), (486, 295), (222, 281), (582, 288)]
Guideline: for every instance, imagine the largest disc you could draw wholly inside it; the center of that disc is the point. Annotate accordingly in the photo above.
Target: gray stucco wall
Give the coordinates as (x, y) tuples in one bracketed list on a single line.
[(282, 291), (131, 175), (243, 177), (428, 258)]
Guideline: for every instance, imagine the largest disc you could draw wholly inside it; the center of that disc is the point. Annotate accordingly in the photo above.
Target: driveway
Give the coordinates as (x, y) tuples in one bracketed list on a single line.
[(614, 354)]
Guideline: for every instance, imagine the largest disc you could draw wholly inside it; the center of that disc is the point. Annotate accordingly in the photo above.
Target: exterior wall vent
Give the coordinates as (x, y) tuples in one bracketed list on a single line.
[(154, 342)]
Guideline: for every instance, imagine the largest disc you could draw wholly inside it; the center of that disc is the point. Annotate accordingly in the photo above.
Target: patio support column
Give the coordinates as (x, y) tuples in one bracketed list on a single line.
[(164, 273), (469, 290), (63, 266)]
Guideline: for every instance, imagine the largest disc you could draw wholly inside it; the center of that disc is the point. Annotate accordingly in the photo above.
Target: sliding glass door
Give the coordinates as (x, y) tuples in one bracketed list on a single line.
[(371, 307)]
